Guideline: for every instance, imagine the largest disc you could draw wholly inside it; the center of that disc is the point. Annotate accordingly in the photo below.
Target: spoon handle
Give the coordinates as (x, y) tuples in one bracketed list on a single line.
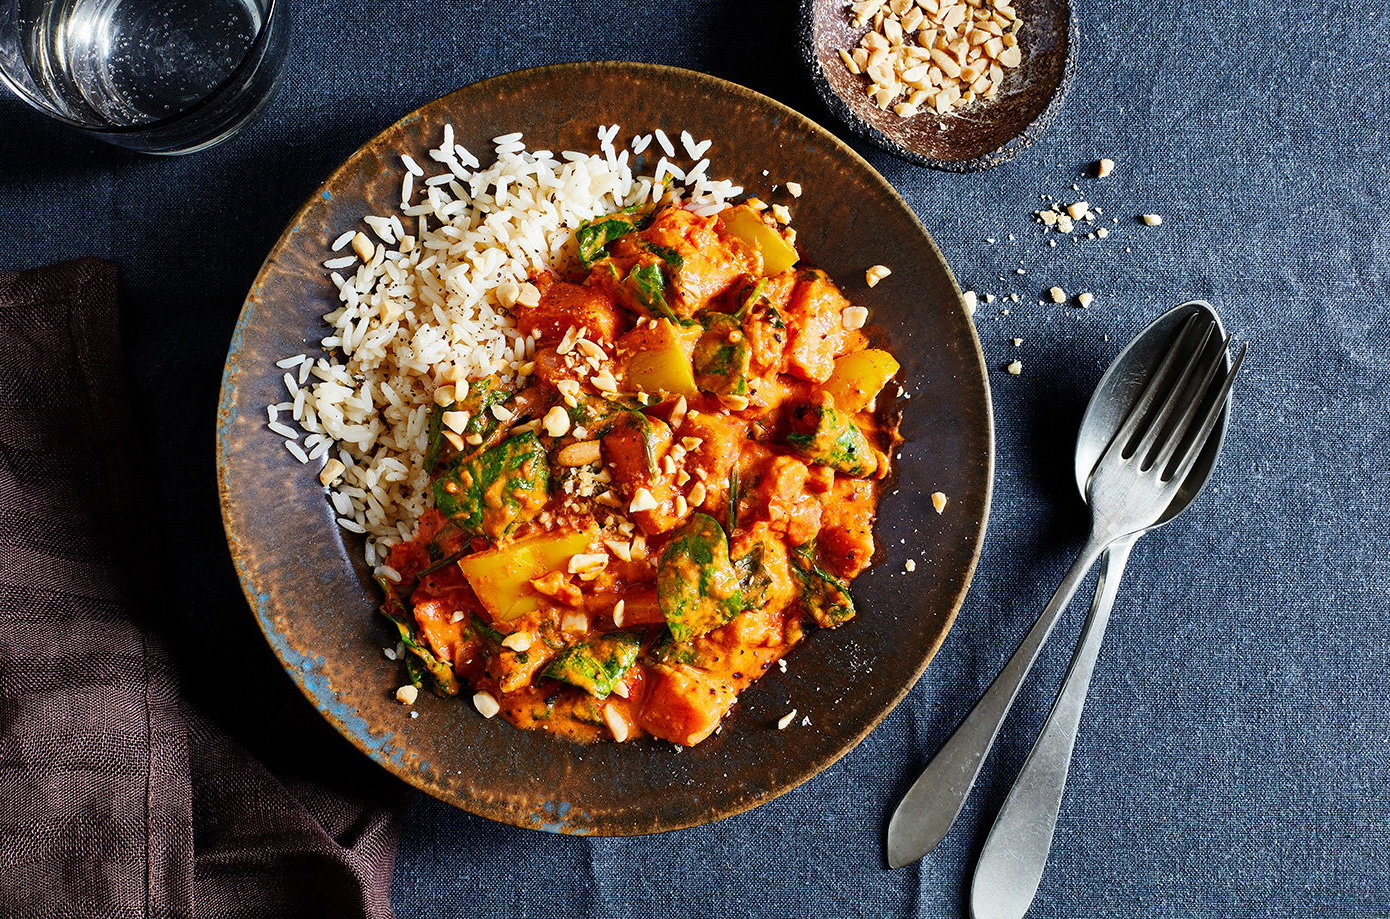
[(1011, 864), (935, 800)]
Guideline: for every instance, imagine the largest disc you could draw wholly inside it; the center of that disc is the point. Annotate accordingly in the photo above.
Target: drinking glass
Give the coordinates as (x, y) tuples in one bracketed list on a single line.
[(160, 76)]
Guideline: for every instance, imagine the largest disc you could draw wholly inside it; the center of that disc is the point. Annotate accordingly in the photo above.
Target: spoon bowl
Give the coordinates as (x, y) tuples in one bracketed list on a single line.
[(981, 136), (1119, 389)]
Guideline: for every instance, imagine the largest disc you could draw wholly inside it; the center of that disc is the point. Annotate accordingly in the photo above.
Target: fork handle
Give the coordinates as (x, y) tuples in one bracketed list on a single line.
[(935, 800), (1010, 867)]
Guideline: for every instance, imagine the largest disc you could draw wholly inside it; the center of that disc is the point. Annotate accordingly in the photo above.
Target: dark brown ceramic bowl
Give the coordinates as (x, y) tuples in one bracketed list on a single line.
[(980, 137), (308, 588)]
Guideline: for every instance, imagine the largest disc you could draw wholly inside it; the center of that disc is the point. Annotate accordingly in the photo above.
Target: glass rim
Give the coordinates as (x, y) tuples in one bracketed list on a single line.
[(252, 52)]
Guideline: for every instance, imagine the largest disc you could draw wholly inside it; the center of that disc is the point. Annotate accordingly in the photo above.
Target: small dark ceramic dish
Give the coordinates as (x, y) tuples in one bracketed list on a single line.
[(983, 136), (314, 600)]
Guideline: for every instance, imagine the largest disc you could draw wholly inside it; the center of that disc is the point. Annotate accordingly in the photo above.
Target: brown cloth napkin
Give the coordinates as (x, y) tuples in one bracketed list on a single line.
[(117, 797)]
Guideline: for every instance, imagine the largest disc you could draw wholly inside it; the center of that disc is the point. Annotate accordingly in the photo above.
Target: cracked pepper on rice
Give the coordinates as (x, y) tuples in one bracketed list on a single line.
[(613, 449)]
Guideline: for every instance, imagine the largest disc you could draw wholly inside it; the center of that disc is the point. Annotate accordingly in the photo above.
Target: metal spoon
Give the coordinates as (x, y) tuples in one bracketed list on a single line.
[(935, 800), (1011, 864)]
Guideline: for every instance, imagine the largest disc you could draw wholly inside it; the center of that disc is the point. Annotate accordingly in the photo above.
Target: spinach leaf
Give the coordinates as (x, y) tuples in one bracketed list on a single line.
[(722, 356), (696, 585), (596, 666), (486, 632), (435, 436), (596, 414), (649, 284), (822, 434), (670, 256), (756, 293), (444, 562), (824, 597), (417, 674), (594, 235), (734, 496), (482, 396), (489, 493), (754, 579), (445, 683)]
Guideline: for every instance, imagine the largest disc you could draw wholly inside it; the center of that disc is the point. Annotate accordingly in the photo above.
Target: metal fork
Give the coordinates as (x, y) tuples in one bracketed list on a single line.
[(1134, 482)]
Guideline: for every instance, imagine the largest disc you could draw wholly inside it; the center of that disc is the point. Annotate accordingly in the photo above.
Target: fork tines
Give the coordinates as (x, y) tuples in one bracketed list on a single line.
[(1181, 403)]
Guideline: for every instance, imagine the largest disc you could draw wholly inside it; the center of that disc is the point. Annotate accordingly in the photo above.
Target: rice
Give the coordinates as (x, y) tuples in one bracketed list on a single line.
[(430, 303)]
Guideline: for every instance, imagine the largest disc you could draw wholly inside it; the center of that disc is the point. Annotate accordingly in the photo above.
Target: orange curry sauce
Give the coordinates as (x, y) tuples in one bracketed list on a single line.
[(681, 489)]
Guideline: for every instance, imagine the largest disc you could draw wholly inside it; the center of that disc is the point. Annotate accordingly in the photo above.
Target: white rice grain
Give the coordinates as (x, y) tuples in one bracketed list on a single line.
[(665, 142)]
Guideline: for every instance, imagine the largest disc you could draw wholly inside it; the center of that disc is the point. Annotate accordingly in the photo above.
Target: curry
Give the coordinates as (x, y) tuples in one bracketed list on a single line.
[(681, 491)]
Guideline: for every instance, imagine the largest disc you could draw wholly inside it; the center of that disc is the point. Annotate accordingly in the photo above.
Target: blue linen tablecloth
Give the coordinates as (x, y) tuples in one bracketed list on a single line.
[(1235, 756)]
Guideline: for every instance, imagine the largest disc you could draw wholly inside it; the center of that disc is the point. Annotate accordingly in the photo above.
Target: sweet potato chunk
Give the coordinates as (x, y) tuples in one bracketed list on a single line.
[(721, 437), (818, 332), (633, 448), (564, 305), (782, 499), (640, 607), (441, 633), (697, 262), (684, 705), (846, 537)]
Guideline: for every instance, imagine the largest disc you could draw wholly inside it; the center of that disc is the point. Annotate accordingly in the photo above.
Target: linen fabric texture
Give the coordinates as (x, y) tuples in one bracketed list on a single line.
[(120, 799)]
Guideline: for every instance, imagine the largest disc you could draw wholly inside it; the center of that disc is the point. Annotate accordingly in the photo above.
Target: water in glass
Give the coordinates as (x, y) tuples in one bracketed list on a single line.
[(134, 68)]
